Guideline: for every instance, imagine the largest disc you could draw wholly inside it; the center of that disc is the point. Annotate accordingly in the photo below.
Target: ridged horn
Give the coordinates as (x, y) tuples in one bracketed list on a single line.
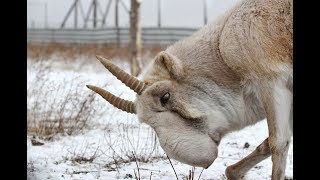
[(117, 102), (129, 80)]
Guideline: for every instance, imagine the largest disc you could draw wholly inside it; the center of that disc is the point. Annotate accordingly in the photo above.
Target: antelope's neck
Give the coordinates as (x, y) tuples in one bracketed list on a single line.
[(200, 55)]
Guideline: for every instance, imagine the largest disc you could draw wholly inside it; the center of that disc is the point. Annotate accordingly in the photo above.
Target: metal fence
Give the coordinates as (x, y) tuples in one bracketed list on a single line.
[(150, 36)]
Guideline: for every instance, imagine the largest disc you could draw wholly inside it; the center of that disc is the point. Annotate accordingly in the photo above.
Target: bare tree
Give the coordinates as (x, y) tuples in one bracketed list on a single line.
[(135, 37)]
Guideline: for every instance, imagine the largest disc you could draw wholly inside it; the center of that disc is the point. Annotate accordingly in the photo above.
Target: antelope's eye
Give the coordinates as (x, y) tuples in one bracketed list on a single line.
[(165, 98)]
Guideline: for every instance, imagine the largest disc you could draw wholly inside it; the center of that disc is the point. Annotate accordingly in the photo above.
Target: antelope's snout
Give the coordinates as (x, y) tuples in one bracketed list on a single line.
[(191, 147)]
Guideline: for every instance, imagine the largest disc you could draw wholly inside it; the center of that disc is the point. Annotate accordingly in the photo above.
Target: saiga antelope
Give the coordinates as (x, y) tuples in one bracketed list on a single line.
[(230, 74)]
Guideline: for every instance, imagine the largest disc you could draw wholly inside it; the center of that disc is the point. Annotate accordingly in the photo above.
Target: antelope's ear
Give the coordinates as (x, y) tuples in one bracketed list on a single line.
[(171, 64)]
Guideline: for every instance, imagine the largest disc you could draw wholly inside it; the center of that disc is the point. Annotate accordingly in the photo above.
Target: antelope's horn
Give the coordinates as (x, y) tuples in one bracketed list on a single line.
[(129, 80), (117, 102)]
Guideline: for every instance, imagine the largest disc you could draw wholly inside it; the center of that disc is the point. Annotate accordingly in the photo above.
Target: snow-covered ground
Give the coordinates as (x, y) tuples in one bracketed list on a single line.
[(108, 146)]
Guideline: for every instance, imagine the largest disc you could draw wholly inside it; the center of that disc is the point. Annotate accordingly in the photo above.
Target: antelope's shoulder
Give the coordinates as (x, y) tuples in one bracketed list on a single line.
[(257, 38)]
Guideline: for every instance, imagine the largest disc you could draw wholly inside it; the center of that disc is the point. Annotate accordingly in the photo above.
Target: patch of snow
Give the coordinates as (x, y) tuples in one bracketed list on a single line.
[(116, 136)]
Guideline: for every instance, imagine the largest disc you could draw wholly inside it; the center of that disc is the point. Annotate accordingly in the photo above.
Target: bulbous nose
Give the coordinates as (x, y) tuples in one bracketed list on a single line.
[(192, 148)]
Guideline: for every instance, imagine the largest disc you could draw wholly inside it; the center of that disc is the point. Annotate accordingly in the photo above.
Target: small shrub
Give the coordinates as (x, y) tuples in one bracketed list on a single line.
[(56, 106)]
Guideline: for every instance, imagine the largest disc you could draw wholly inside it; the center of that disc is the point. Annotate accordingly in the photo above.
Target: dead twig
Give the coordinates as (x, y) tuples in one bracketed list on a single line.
[(173, 168), (137, 167)]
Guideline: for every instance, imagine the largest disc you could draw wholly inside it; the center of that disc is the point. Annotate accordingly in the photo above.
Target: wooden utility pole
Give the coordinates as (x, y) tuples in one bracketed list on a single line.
[(116, 21), (205, 15), (94, 2), (45, 16), (135, 37), (75, 14), (159, 13)]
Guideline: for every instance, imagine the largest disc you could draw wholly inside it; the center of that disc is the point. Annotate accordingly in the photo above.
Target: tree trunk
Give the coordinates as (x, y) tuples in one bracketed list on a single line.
[(135, 37)]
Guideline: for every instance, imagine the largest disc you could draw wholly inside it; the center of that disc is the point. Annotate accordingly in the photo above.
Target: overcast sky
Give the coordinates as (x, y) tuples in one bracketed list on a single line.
[(177, 13)]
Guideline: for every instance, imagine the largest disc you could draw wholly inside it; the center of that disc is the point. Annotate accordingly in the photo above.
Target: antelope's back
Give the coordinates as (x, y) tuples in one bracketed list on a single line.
[(257, 39)]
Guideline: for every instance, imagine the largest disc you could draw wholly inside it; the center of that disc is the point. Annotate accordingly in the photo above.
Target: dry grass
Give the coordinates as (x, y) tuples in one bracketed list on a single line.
[(70, 114), (58, 120), (72, 51), (128, 145), (83, 156), (49, 114)]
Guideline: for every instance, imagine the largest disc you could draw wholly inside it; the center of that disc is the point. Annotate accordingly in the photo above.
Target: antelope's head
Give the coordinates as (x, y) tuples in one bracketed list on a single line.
[(174, 109)]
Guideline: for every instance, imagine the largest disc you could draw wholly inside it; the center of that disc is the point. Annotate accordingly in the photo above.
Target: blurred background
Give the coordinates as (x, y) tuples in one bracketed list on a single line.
[(93, 23), (173, 13)]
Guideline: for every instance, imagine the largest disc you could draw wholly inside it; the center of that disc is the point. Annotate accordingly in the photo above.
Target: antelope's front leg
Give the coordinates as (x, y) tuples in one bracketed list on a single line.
[(278, 103), (239, 169)]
